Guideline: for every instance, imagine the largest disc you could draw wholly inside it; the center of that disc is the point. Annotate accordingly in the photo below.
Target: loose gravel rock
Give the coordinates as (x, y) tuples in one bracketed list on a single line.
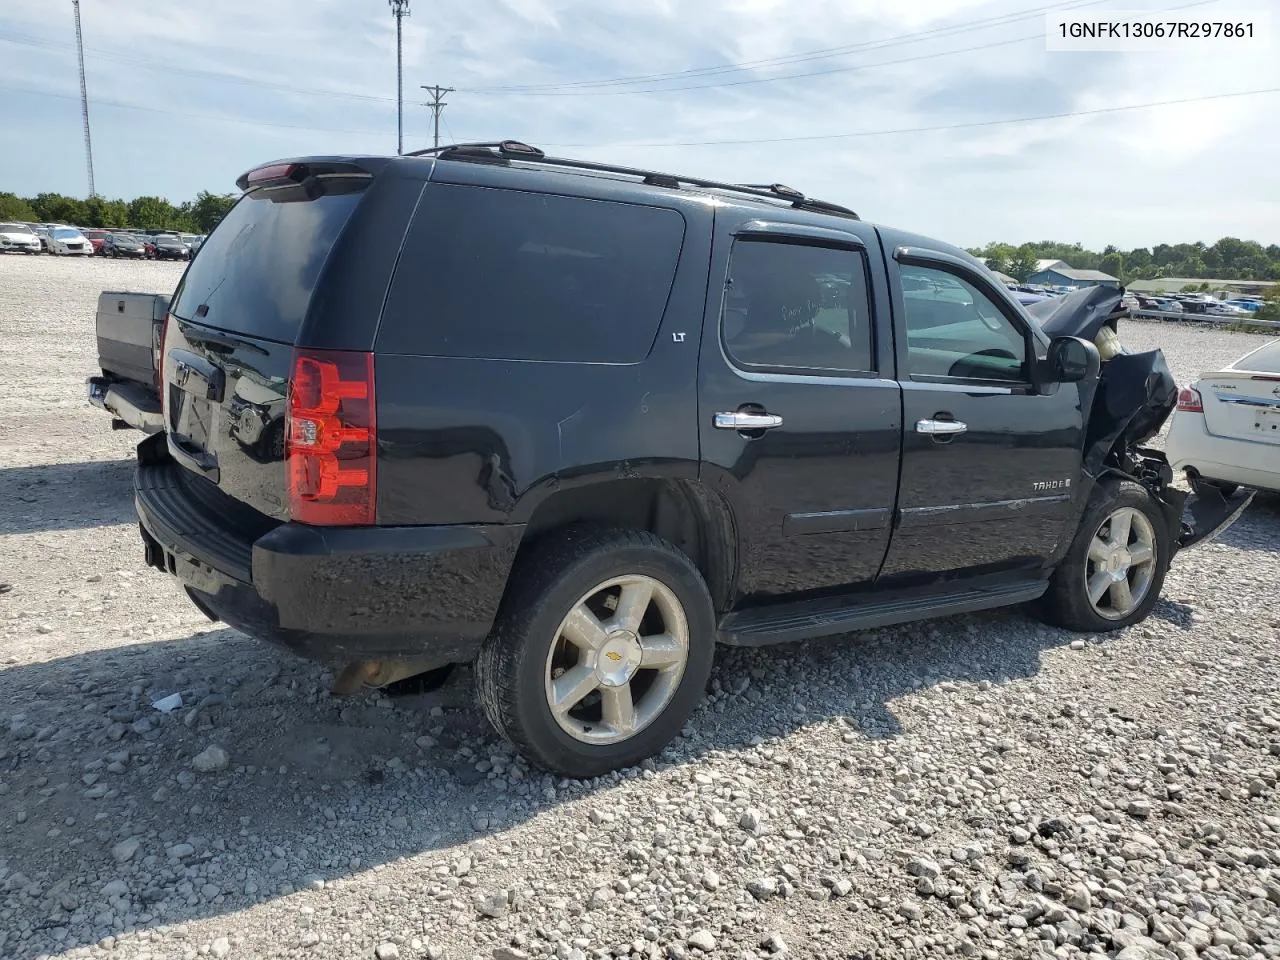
[(974, 787)]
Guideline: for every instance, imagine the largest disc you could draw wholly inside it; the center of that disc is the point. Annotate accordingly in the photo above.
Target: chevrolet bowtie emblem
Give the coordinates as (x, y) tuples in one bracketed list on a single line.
[(614, 656)]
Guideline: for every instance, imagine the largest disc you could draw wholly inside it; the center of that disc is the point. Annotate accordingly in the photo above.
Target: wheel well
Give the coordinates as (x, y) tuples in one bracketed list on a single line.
[(688, 515)]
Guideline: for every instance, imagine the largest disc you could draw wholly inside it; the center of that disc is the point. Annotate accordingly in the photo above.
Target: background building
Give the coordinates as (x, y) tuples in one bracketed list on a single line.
[(1057, 273)]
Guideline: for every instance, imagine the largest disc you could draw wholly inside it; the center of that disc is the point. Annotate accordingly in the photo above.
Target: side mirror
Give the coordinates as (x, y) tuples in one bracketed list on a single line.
[(1070, 360)]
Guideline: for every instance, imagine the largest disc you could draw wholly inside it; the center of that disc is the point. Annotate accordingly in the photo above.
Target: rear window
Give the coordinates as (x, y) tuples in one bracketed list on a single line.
[(1266, 360), (258, 269), (503, 274)]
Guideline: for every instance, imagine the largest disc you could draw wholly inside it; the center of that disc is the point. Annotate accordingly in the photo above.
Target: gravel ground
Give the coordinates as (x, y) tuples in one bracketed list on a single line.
[(982, 786)]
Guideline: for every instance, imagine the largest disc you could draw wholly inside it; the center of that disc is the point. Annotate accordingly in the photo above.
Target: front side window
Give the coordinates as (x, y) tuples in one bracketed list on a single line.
[(792, 305), (956, 331)]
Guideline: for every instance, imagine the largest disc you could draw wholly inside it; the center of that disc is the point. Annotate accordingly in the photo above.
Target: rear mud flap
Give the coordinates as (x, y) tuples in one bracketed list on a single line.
[(1208, 514)]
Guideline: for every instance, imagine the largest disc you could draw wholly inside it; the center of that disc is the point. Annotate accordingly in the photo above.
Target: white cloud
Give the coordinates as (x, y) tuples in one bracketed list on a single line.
[(1192, 171)]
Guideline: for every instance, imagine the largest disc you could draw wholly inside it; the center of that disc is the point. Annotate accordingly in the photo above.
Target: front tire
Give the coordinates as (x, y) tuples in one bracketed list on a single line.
[(1114, 570), (600, 653)]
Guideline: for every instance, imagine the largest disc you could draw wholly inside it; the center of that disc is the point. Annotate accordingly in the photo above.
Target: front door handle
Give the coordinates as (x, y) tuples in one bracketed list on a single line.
[(744, 420), (941, 428)]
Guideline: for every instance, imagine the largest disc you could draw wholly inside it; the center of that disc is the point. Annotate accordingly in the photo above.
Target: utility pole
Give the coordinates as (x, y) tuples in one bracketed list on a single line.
[(437, 104), (84, 100), (400, 10)]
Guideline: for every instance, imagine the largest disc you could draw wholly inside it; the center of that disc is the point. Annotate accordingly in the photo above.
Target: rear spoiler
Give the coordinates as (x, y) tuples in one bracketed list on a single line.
[(304, 170)]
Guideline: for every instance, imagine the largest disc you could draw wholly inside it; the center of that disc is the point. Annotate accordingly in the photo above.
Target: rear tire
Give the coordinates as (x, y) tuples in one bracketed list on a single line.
[(1114, 570), (616, 628)]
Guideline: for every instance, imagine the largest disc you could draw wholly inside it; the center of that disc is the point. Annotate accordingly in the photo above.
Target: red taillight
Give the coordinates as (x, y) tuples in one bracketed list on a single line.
[(1189, 401), (274, 171), (331, 438)]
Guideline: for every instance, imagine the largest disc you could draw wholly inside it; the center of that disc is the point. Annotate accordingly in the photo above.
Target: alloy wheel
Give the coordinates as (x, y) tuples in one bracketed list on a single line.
[(617, 659), (1122, 563)]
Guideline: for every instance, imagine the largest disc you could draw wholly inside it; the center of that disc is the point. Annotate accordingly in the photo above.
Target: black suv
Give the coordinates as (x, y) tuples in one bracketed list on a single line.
[(577, 423)]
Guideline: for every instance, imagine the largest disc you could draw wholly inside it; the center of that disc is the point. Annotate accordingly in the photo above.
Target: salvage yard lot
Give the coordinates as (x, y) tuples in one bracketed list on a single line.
[(983, 786)]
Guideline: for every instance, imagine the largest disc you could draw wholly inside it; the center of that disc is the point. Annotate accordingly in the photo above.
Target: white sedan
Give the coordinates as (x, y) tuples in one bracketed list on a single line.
[(18, 238), (68, 241), (1226, 430)]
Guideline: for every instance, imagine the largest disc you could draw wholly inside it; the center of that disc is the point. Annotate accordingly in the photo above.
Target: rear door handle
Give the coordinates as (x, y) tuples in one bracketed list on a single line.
[(941, 428), (742, 420)]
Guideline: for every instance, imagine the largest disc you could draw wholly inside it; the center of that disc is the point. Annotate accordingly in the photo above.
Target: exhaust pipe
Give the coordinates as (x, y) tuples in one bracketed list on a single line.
[(371, 674)]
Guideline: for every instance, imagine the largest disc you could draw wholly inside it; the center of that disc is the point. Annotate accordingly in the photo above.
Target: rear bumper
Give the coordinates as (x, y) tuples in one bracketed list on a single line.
[(1190, 446), (331, 594), (131, 403)]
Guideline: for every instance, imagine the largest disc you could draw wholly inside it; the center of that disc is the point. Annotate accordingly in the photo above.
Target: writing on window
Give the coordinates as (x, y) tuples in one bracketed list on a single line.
[(954, 330)]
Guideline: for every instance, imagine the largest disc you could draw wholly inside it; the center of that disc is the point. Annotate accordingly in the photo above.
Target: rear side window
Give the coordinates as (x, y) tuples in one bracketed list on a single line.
[(797, 306), (256, 272), (507, 275)]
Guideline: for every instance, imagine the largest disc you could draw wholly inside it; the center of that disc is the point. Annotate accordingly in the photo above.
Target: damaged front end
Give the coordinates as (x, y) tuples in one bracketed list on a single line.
[(1128, 403)]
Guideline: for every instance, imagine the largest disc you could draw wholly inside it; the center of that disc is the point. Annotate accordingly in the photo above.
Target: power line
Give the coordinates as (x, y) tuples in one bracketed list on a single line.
[(697, 143), (589, 88), (938, 127), (806, 56), (223, 77), (852, 68), (99, 102), (216, 76)]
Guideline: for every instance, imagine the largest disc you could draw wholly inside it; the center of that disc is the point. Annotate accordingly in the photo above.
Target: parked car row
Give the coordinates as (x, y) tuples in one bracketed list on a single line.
[(63, 240), (1199, 303)]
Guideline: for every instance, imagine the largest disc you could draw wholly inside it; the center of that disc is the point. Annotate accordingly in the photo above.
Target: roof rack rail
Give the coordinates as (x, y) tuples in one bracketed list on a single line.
[(498, 149), (504, 151)]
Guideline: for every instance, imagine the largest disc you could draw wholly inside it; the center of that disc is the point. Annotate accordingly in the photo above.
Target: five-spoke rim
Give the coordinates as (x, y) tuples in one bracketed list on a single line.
[(617, 659), (1122, 563)]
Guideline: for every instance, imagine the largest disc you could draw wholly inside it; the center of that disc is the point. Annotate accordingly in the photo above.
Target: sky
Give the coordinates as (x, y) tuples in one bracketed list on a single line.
[(187, 101)]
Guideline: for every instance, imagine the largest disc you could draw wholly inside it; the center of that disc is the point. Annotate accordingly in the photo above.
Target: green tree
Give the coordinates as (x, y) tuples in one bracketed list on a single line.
[(1113, 263), (13, 207), (152, 213), (1271, 307), (209, 208), (105, 213), (1023, 264), (55, 208)]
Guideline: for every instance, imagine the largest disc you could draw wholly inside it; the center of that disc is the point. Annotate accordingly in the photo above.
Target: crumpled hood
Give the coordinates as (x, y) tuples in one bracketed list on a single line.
[(1081, 313)]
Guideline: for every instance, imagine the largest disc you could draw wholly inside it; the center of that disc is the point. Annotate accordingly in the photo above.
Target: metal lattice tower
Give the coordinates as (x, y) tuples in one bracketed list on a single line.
[(84, 100), (400, 10)]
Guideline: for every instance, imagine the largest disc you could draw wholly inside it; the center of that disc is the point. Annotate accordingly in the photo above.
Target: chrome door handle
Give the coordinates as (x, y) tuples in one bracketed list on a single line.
[(941, 428), (740, 420)]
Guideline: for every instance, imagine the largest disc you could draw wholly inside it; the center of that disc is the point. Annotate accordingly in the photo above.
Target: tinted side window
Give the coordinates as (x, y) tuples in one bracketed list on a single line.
[(955, 330), (797, 305), (502, 274)]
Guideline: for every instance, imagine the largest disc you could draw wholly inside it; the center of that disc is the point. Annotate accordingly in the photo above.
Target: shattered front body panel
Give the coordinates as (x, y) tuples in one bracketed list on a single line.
[(1134, 395)]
